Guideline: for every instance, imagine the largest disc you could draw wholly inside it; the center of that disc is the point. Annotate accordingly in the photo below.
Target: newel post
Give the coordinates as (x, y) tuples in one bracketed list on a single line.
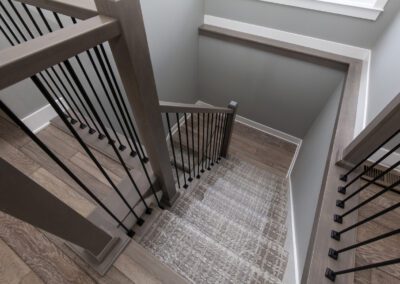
[(132, 56), (229, 129)]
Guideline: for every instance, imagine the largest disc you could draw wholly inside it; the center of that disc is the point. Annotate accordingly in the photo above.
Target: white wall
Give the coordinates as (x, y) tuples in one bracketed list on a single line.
[(307, 174), (385, 70)]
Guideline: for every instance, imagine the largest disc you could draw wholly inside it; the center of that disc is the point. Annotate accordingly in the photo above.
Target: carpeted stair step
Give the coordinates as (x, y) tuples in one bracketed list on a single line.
[(213, 198), (256, 184), (242, 195), (198, 258), (248, 219), (194, 211), (257, 250)]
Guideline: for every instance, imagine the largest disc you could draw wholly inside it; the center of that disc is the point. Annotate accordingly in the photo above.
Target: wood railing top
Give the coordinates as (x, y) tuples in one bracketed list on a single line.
[(376, 133), (80, 9), (172, 107), (28, 58)]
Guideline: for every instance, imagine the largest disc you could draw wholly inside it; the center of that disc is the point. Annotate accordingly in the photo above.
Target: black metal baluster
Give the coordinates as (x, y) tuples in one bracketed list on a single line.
[(212, 139), (225, 128), (209, 128), (198, 145), (341, 203), (202, 150), (336, 234), (190, 179), (72, 74), (193, 151), (345, 176), (85, 147), (221, 131), (99, 100), (43, 146), (215, 138), (343, 189), (335, 253), (117, 102), (339, 218), (122, 162), (331, 275), (109, 83), (134, 136), (185, 185), (173, 149), (79, 118), (73, 121)]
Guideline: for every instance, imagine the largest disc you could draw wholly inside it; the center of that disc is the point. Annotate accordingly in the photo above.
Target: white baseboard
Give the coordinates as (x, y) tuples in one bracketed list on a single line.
[(39, 119), (296, 264), (271, 131)]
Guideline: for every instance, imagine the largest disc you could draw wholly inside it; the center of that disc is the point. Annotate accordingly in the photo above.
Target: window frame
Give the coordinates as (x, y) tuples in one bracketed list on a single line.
[(369, 11)]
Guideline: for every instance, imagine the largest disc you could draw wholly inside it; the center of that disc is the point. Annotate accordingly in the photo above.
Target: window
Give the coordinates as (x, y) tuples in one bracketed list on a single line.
[(365, 9)]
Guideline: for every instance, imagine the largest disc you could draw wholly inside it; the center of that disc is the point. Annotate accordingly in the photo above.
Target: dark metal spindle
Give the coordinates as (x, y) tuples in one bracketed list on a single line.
[(335, 253), (188, 147), (207, 142), (86, 97), (173, 149), (91, 130), (215, 138), (82, 123), (202, 148), (209, 145), (343, 189), (109, 83), (134, 136), (331, 275), (341, 203), (344, 177), (73, 121), (185, 185), (85, 147), (336, 235), (370, 199), (6, 110), (212, 139), (96, 70), (221, 135), (193, 152), (198, 146), (71, 72)]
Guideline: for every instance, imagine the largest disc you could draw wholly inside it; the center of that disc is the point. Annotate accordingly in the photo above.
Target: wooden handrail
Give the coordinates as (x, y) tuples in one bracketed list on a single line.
[(172, 107), (28, 58), (80, 9), (376, 133)]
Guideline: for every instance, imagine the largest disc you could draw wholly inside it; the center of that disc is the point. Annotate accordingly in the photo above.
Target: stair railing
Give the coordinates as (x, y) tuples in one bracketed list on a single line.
[(91, 62), (200, 131), (373, 160)]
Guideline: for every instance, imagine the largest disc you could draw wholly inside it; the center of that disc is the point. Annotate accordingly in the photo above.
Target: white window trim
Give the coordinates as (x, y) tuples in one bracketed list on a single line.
[(342, 7)]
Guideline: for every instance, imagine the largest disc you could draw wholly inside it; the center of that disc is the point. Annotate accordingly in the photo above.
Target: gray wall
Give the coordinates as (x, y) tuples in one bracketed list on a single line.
[(385, 70), (281, 92), (308, 173), (171, 28), (332, 27)]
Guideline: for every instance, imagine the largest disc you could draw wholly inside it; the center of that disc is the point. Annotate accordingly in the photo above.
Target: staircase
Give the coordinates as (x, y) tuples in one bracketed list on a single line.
[(226, 227)]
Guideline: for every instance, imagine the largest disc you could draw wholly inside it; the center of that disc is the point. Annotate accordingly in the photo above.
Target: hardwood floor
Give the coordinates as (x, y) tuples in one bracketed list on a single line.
[(29, 255)]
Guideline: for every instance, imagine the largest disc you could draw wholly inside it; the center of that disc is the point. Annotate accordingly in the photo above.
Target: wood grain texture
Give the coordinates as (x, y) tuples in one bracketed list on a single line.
[(41, 255)]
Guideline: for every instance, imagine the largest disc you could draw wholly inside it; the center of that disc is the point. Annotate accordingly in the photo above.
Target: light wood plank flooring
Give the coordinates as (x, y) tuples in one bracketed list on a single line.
[(29, 255)]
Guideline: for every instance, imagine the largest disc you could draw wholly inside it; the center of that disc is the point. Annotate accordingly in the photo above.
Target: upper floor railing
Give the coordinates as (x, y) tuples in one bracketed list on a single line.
[(90, 61)]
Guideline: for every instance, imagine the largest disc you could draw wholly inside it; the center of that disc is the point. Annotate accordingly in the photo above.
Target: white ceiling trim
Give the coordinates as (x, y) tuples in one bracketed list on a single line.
[(369, 11)]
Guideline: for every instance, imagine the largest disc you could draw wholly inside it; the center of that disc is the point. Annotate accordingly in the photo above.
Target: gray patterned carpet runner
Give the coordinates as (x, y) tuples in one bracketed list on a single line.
[(227, 227)]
